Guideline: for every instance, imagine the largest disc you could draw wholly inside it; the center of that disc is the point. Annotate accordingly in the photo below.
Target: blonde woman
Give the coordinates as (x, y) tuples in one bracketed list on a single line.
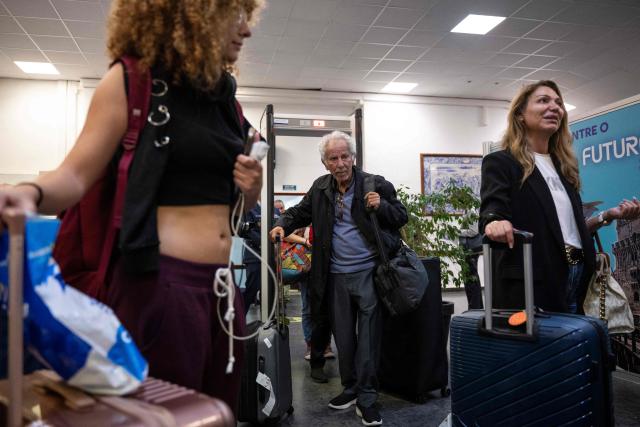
[(533, 185), (176, 234)]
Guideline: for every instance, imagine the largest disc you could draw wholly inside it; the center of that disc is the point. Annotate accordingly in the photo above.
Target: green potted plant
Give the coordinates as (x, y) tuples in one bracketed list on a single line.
[(435, 223)]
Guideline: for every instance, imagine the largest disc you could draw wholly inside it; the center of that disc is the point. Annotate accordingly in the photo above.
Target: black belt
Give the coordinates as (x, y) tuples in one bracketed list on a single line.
[(574, 255)]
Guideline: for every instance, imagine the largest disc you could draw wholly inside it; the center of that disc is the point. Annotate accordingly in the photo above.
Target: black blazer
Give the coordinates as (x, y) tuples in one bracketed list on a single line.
[(529, 207)]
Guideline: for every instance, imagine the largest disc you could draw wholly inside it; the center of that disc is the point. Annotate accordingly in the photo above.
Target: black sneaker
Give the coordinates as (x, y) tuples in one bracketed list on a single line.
[(318, 375), (343, 401), (370, 415)]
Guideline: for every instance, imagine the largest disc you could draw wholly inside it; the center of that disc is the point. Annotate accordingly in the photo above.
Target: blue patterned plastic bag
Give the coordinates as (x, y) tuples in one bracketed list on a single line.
[(73, 334)]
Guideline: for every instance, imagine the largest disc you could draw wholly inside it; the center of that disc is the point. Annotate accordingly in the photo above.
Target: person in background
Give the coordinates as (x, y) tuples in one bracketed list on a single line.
[(175, 234), (341, 291), (304, 236), (251, 233), (278, 205), (533, 185), (295, 237), (471, 241)]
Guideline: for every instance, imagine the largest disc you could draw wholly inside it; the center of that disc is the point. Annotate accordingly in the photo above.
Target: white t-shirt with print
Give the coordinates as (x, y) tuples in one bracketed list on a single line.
[(564, 209)]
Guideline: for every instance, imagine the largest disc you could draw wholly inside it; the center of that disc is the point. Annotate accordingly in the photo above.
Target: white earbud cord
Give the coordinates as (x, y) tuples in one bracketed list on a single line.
[(224, 287)]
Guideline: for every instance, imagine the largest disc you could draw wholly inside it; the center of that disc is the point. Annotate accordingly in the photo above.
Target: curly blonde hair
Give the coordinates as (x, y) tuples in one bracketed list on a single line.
[(560, 143), (187, 37)]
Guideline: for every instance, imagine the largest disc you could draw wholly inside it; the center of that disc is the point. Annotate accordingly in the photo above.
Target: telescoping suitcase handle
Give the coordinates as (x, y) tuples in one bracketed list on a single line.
[(279, 287), (526, 239), (15, 221)]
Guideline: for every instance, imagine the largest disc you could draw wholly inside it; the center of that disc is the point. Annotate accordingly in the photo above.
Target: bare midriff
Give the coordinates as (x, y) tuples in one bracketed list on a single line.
[(195, 233)]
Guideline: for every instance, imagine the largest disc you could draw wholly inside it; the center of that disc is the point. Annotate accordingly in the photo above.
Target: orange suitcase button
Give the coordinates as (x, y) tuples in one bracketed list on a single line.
[(517, 319)]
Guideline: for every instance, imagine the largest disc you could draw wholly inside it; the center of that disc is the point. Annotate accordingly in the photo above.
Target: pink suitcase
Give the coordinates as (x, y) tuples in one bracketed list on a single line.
[(43, 396)]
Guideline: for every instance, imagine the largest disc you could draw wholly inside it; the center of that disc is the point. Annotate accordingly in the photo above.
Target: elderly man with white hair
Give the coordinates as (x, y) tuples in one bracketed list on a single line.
[(341, 293)]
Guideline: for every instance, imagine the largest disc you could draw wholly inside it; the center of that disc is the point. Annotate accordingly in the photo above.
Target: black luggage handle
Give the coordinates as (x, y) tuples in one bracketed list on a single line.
[(279, 299), (525, 239)]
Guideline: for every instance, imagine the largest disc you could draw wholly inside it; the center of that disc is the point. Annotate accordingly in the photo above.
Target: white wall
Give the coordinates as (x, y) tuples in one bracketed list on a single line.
[(39, 121), (396, 133), (297, 162), (297, 158), (37, 124)]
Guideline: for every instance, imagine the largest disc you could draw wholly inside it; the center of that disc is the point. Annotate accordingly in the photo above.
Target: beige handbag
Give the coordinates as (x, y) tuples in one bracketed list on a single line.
[(605, 298)]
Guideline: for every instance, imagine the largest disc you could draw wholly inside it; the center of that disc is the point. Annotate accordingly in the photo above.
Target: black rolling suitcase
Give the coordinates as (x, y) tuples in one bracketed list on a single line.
[(414, 346), (266, 394), (552, 371)]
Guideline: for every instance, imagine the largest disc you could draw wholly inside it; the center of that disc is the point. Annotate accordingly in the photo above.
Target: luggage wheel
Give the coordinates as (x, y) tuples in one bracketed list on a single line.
[(445, 391)]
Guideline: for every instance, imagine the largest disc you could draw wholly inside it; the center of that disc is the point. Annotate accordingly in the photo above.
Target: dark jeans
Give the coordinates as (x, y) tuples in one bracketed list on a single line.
[(573, 281), (171, 316), (320, 336), (472, 284), (306, 310), (252, 284)]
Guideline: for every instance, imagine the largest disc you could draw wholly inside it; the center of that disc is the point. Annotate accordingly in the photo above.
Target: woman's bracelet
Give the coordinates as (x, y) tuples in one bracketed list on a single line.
[(38, 188), (601, 219)]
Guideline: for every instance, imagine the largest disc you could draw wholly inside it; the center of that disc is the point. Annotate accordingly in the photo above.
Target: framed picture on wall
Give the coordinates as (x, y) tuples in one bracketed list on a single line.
[(438, 170)]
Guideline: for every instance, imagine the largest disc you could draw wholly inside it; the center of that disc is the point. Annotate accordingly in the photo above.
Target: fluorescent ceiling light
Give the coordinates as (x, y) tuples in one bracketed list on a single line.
[(398, 87), (37, 67), (569, 107), (477, 24)]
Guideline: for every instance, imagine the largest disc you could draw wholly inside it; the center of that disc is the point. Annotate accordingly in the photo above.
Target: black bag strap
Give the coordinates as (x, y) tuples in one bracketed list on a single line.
[(370, 186), (376, 233), (598, 242)]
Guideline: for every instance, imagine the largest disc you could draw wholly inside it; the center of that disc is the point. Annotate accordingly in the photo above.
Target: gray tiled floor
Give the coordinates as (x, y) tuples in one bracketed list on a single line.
[(310, 399)]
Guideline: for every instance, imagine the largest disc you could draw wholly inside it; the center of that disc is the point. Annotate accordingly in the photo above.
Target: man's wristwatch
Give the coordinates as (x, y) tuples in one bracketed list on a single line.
[(601, 220)]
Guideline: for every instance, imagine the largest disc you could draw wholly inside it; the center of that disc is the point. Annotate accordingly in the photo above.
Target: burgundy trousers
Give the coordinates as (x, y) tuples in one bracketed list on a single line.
[(171, 315)]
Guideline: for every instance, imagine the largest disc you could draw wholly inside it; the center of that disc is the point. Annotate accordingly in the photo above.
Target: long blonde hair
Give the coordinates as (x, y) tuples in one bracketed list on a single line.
[(187, 37), (560, 147)]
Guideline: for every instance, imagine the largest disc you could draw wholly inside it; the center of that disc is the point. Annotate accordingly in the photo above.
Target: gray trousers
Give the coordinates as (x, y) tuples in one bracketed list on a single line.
[(356, 326)]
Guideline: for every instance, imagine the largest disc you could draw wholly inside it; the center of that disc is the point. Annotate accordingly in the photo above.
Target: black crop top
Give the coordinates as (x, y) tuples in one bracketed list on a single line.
[(205, 139)]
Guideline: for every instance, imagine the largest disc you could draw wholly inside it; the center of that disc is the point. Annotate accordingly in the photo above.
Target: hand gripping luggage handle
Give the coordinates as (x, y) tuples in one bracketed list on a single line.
[(15, 221), (521, 237)]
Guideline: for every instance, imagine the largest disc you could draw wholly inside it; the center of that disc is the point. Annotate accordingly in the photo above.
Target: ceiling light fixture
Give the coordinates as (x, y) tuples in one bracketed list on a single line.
[(37, 67), (477, 24), (569, 107), (398, 87)]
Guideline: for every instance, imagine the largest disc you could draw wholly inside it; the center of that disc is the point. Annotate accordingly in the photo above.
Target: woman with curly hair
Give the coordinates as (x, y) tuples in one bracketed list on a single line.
[(176, 233), (533, 185)]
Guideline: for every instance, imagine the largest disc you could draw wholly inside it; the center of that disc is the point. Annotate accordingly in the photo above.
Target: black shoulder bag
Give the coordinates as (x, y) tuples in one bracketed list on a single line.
[(402, 280)]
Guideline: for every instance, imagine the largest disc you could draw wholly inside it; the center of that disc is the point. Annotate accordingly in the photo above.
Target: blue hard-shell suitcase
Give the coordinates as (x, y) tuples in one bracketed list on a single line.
[(555, 371)]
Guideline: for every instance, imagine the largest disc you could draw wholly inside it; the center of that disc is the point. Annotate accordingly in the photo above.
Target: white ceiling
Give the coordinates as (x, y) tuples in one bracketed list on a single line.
[(590, 47)]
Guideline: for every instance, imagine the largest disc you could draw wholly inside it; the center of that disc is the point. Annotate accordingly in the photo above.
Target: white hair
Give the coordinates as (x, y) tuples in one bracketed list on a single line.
[(336, 134)]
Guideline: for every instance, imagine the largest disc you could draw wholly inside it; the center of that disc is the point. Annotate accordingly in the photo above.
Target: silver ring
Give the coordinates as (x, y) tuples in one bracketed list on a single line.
[(163, 110), (164, 87), (164, 141)]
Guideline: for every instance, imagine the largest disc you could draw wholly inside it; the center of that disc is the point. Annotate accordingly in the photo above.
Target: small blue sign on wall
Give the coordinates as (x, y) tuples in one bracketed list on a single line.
[(289, 187)]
